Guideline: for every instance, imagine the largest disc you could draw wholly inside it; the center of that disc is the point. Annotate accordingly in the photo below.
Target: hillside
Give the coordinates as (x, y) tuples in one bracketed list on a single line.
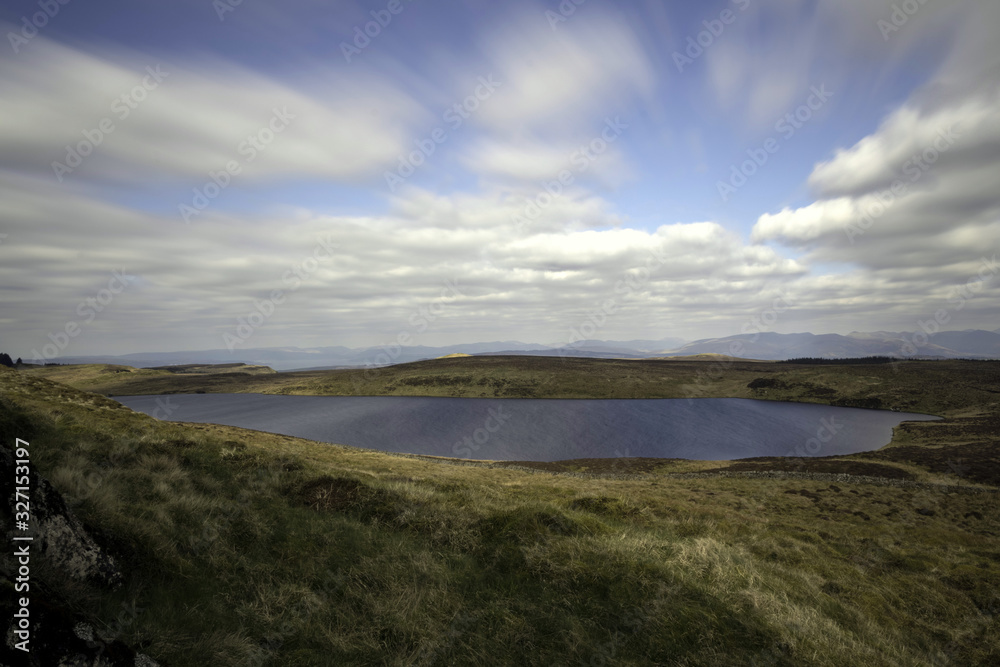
[(905, 345), (243, 548), (936, 387), (975, 344)]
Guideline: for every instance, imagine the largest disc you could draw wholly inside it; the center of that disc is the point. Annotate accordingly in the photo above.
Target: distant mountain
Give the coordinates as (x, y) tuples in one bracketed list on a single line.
[(971, 343), (568, 352), (768, 346), (286, 358), (775, 346), (289, 358), (646, 347)]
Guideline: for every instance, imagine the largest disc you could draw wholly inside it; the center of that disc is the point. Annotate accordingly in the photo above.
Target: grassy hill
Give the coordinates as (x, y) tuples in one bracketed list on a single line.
[(242, 547), (939, 387)]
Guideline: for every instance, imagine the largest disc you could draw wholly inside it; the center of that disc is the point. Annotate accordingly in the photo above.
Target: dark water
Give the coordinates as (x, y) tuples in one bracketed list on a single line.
[(545, 430)]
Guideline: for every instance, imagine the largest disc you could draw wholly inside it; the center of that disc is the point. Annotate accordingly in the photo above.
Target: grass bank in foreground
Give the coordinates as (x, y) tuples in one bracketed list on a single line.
[(244, 548)]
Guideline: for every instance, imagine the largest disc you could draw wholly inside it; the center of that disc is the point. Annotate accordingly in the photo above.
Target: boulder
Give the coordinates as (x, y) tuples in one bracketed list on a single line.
[(59, 537), (60, 637)]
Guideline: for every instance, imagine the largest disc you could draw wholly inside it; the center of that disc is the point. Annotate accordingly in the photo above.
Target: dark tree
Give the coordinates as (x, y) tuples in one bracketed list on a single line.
[(5, 360), (850, 360), (18, 362)]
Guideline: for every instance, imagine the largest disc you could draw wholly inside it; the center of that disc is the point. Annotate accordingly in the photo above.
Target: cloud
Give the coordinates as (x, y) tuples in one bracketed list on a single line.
[(193, 282), (530, 263), (963, 136), (763, 86), (762, 63), (186, 120), (567, 80), (763, 60), (918, 192), (912, 209), (540, 162), (531, 162)]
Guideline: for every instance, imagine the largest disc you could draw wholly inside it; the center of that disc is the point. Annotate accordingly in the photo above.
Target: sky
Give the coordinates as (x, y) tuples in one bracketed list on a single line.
[(235, 174)]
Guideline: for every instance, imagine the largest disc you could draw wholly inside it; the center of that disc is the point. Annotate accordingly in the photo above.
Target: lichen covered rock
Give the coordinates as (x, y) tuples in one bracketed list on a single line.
[(59, 537)]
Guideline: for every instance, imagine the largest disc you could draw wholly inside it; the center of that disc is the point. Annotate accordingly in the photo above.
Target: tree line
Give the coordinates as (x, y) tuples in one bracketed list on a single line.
[(851, 360), (5, 360)]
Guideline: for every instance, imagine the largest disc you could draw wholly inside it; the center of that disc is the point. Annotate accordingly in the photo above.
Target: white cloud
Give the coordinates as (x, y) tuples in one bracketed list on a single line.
[(945, 166), (964, 135), (761, 64), (190, 120), (542, 162), (200, 278), (567, 80), (520, 162), (532, 280), (912, 209)]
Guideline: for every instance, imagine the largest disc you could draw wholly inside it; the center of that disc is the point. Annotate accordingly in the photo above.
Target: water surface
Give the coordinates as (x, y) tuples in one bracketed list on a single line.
[(545, 429)]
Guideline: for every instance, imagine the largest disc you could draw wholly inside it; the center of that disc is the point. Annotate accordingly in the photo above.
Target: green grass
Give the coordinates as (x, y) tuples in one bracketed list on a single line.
[(938, 387), (243, 547)]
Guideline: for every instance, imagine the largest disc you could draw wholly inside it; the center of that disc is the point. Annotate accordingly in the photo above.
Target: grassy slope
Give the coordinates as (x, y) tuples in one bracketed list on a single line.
[(249, 547), (938, 387), (966, 393)]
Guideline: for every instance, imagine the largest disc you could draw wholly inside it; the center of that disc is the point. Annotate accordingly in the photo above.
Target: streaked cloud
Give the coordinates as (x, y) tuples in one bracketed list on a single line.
[(483, 210)]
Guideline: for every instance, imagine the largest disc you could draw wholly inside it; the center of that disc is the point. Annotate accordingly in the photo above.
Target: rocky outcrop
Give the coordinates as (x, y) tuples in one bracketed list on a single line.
[(59, 537), (60, 637)]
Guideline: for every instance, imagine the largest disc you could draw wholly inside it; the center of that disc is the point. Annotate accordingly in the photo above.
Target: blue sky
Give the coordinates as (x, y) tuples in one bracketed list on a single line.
[(831, 98)]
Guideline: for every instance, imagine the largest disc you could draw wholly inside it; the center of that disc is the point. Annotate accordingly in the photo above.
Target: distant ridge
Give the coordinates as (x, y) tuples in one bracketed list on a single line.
[(767, 346), (975, 344)]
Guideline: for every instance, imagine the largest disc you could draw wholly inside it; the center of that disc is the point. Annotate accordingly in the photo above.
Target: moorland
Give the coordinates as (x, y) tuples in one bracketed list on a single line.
[(240, 547)]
